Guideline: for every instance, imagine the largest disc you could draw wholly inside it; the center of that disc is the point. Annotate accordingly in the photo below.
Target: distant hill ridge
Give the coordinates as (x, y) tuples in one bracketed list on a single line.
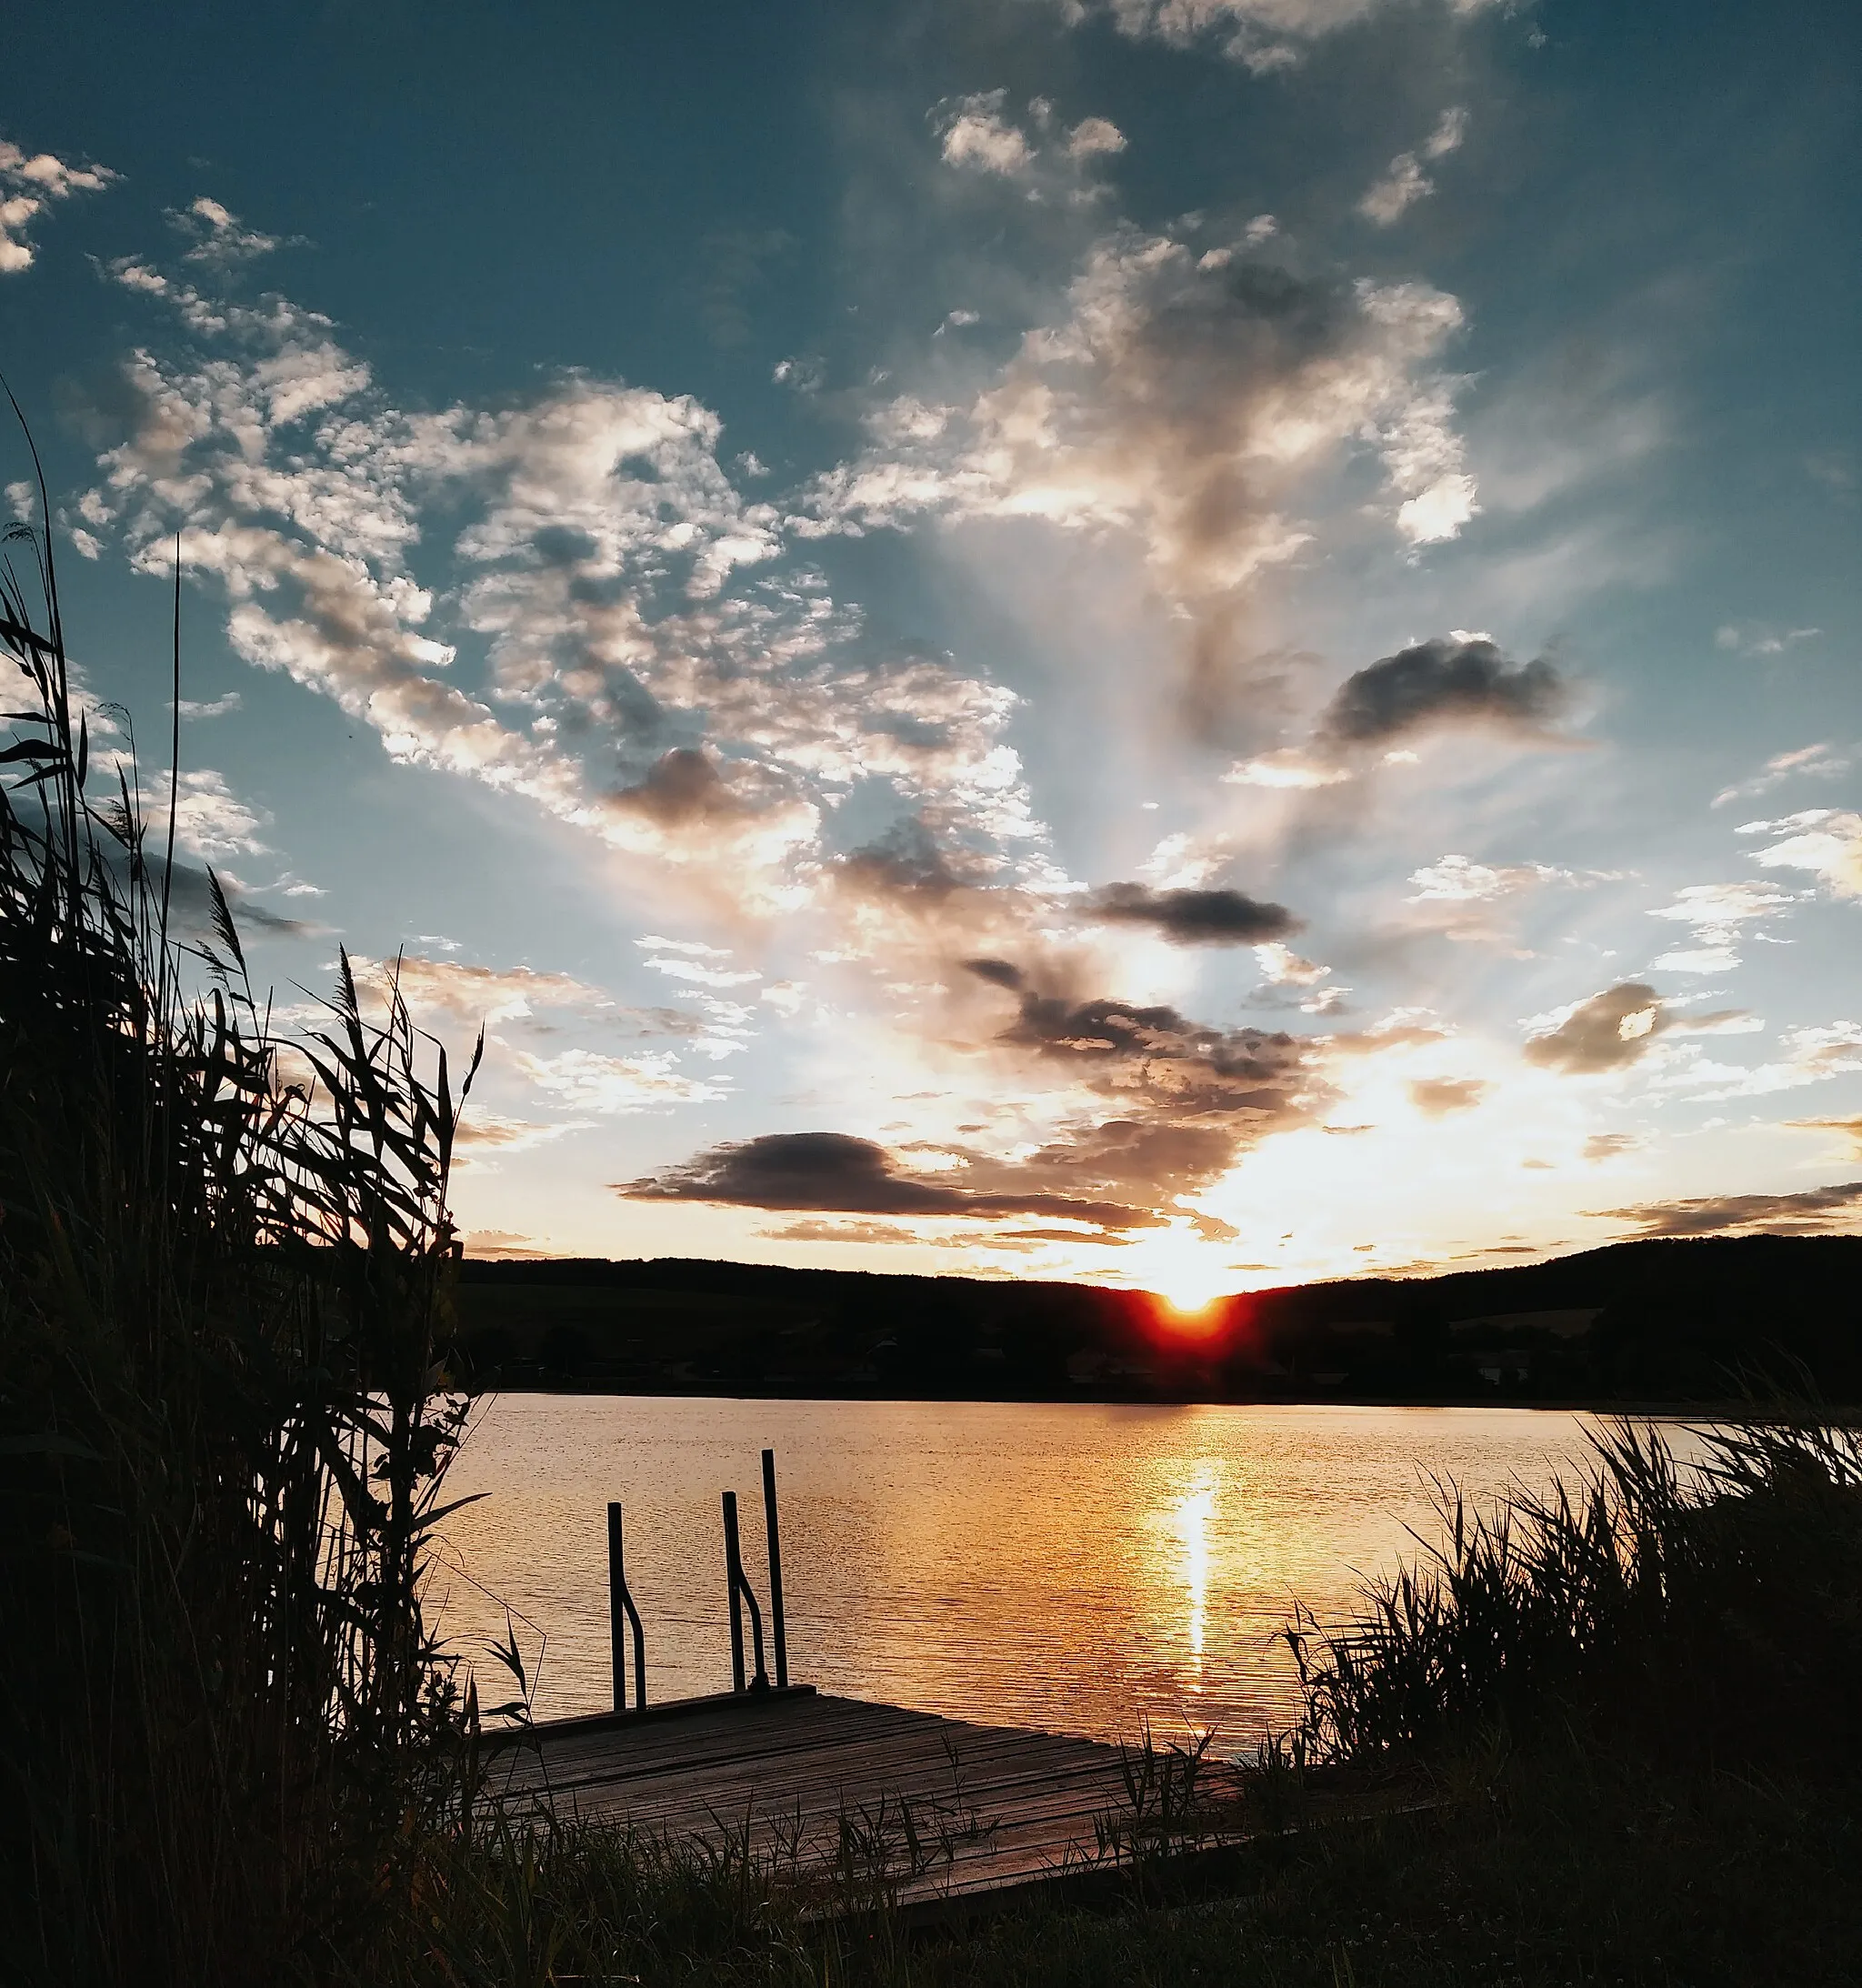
[(1675, 1318)]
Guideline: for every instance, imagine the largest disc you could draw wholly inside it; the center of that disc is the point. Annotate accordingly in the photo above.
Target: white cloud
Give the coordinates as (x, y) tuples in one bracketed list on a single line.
[(1392, 196), (1754, 638), (662, 671), (210, 820), (975, 135), (1817, 762), (227, 702), (1186, 402), (1812, 1056), (616, 1085), (1264, 35), (1095, 136), (1288, 767), (28, 184), (219, 237), (1824, 840), (1456, 879), (1716, 911)]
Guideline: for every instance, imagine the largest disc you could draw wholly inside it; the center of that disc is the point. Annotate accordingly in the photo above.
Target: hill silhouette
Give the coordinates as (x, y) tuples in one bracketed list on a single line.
[(1699, 1319)]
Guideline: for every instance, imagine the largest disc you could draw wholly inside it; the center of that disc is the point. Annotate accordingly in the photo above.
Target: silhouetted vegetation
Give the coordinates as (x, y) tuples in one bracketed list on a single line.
[(225, 1268)]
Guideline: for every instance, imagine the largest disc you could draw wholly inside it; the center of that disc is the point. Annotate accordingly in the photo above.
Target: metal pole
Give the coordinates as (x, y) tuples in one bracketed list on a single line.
[(777, 1627), (734, 1578), (617, 1610)]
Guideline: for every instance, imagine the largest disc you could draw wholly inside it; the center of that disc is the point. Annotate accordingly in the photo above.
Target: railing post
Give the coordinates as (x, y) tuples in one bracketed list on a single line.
[(778, 1629), (616, 1607), (734, 1579)]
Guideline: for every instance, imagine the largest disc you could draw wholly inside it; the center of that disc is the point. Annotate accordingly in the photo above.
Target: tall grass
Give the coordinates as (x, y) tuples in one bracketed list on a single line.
[(225, 1265), (1712, 1612)]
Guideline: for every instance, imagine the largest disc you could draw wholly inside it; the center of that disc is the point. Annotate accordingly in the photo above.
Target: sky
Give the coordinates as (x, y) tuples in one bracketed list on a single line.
[(1187, 643)]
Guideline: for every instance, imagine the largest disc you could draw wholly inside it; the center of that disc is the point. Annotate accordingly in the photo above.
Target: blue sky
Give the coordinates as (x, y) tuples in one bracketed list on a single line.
[(1193, 642)]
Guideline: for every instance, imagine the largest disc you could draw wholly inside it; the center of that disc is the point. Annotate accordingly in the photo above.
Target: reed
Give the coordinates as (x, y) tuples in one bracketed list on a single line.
[(224, 1277), (1706, 1613)]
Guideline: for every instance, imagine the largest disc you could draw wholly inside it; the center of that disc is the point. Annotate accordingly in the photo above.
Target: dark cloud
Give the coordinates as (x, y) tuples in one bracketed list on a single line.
[(997, 972), (835, 1173), (191, 910), (905, 863), (1442, 681), (1805, 1213), (1437, 1096), (1159, 1054), (682, 786), (1195, 918), (1608, 1032)]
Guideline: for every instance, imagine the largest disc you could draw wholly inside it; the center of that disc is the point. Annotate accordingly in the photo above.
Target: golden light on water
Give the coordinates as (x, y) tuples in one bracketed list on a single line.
[(1194, 1510)]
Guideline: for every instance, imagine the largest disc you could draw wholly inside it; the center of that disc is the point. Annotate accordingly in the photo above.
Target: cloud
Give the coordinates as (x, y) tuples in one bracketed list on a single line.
[(1047, 160), (662, 670), (210, 820), (1184, 399), (1608, 1032), (883, 1232), (1194, 917), (833, 1171), (1436, 1096), (468, 993), (616, 1085), (1602, 1146), (221, 707), (500, 1242), (491, 1133), (1263, 34), (219, 238), (1753, 638), (1851, 1130), (1405, 182), (1814, 1211), (1824, 840), (1445, 680), (974, 134), (28, 184), (1812, 1056), (1400, 188), (1716, 911), (1819, 762)]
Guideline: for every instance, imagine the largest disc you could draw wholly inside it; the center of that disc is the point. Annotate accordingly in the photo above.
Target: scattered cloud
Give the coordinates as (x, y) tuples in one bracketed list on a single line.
[(229, 701), (1603, 1146), (1824, 840), (1813, 1211), (616, 1085), (1405, 183), (1265, 35), (1849, 1128), (1716, 911), (218, 237), (883, 1232), (1819, 762), (1753, 638), (1184, 398), (478, 994), (29, 184)]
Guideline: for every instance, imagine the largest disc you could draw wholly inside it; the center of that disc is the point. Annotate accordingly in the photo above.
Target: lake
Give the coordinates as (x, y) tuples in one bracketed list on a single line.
[(1081, 1568)]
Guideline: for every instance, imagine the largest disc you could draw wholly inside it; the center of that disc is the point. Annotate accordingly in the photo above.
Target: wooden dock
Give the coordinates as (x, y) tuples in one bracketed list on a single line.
[(863, 1797)]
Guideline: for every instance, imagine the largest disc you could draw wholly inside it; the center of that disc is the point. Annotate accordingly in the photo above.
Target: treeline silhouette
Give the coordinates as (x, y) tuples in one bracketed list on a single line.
[(1658, 1321)]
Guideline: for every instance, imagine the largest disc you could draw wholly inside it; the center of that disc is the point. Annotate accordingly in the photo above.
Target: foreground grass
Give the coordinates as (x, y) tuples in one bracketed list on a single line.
[(1561, 1868)]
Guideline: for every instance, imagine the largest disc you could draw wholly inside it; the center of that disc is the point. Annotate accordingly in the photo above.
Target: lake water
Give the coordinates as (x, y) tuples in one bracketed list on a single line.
[(1079, 1568)]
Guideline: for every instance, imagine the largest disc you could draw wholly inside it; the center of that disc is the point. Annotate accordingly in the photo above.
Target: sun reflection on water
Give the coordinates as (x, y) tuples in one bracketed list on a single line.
[(1194, 1510)]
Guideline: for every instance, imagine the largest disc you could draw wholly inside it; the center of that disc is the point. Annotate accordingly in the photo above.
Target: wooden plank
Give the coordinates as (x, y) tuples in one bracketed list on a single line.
[(1014, 1805)]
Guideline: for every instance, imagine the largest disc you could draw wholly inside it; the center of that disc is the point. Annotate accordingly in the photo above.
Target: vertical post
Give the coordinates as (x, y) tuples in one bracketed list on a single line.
[(616, 1611), (778, 1628), (734, 1578)]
